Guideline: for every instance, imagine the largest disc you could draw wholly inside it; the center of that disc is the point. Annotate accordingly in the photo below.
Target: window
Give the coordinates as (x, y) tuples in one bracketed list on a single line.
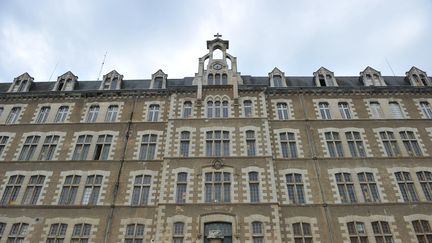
[(334, 144), (82, 147), (282, 110), (302, 232), (49, 147), (43, 114), (425, 179), (294, 182), (355, 144), (423, 231), (217, 143), (368, 187), (344, 110), (217, 109), (324, 110), (3, 142), (217, 187), (181, 187), (250, 143), (141, 190), (81, 233), (390, 143), (148, 147), (69, 190), (382, 232), (277, 80), (410, 142), (322, 80), (257, 232), (158, 83), (254, 190), (376, 110), (288, 145), (1, 110), (187, 109), (426, 108), (248, 109), (92, 189), (134, 233), (12, 189), (112, 112), (61, 114), (395, 110), (153, 113), (18, 233), (33, 190), (357, 232), (184, 143), (345, 187), (92, 113), (406, 186), (2, 229), (13, 115), (29, 147), (178, 232), (57, 233), (103, 146)]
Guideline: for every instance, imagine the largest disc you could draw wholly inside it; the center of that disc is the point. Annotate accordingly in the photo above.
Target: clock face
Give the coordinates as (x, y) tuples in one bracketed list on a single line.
[(217, 66)]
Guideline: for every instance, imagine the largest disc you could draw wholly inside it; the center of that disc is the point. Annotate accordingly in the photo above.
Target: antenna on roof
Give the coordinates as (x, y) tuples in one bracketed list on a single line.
[(55, 67), (103, 62), (388, 63)]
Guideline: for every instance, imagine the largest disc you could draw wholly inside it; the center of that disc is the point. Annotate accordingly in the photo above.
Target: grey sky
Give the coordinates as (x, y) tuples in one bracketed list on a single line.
[(143, 36)]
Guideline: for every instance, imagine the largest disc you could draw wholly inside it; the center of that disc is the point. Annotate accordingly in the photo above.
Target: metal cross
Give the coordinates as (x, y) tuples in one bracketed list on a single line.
[(217, 35)]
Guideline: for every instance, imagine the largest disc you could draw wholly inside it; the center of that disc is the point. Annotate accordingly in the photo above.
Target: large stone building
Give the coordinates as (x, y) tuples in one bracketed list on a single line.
[(275, 158)]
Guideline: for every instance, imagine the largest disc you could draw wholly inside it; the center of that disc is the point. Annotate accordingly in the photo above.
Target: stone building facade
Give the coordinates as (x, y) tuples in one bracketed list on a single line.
[(252, 159)]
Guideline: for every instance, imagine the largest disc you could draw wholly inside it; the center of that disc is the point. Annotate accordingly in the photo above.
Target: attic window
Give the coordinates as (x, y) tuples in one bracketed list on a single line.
[(114, 83), (60, 85), (423, 80), (277, 80), (322, 80), (158, 83)]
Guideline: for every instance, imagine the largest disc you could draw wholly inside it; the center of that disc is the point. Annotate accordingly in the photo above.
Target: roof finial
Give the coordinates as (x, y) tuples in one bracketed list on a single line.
[(217, 35)]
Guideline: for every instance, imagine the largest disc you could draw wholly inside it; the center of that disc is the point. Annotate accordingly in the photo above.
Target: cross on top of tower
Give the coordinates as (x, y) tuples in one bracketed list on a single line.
[(217, 35)]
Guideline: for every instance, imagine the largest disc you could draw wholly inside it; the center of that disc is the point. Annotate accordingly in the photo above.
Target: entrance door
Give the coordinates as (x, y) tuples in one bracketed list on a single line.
[(224, 227)]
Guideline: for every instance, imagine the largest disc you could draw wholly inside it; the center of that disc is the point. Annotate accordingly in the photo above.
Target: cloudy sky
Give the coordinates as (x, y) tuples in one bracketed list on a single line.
[(46, 38)]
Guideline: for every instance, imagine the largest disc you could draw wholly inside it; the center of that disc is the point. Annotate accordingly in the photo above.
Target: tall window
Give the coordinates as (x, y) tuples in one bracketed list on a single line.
[(92, 189), (181, 187), (69, 190), (2, 229), (355, 144), (257, 232), (382, 232), (1, 110), (153, 113), (225, 108), (134, 233), (13, 115), (57, 233), (250, 143), (277, 80), (254, 190), (425, 179), (49, 147), (217, 187), (217, 109), (43, 114), (368, 187), (148, 147), (406, 186), (111, 115), (334, 144), (410, 142), (302, 232), (426, 108), (345, 187), (18, 233), (141, 190), (33, 190), (395, 110), (248, 109), (423, 231), (178, 232), (344, 110), (12, 189), (62, 113), (357, 232), (288, 145), (29, 147), (324, 110), (81, 233), (390, 143), (376, 110), (103, 146), (82, 147), (217, 143), (184, 143), (92, 113), (295, 186), (187, 109), (3, 142), (282, 110)]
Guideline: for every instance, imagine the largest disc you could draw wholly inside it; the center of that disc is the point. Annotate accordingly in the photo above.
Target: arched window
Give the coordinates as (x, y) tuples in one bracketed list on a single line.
[(153, 113), (81, 233), (134, 233), (382, 232), (254, 190), (302, 232), (187, 109), (111, 115), (210, 79), (357, 232), (217, 54), (184, 143), (344, 110), (395, 110), (345, 187), (12, 189), (334, 144), (288, 145), (92, 113), (422, 230), (322, 80), (218, 79), (224, 79), (141, 190), (181, 187), (217, 187), (282, 110), (250, 143), (210, 109), (324, 110), (178, 232), (114, 83), (61, 85), (426, 108), (277, 80), (295, 187), (148, 147), (257, 232), (247, 106)]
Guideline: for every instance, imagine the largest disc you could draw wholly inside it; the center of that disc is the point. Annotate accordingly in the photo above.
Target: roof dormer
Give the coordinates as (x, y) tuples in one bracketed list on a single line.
[(324, 78), (21, 83), (418, 77), (66, 82), (158, 80), (111, 81), (277, 78), (372, 77)]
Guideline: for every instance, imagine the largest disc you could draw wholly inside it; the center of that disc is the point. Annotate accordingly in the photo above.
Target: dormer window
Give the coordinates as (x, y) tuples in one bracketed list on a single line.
[(111, 81), (217, 79), (21, 83), (277, 78), (66, 82), (372, 77), (324, 78), (418, 77), (159, 80)]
